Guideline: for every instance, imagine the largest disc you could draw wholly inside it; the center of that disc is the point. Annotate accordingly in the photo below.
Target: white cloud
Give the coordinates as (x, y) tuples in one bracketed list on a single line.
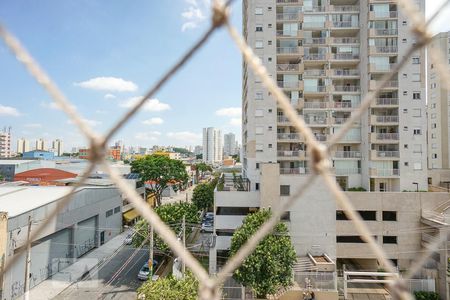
[(55, 106), (236, 121), (9, 111), (150, 105), (229, 112), (33, 125), (147, 136), (153, 121), (112, 84), (110, 96), (195, 13), (185, 136), (92, 123)]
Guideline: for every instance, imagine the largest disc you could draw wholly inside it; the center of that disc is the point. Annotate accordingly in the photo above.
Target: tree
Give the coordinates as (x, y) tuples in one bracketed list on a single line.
[(199, 156), (236, 157), (269, 267), (159, 172), (200, 168), (203, 196), (171, 214), (170, 288)]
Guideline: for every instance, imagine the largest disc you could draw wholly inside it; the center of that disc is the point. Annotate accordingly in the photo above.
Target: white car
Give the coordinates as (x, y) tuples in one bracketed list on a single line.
[(144, 272), (129, 239), (207, 227)]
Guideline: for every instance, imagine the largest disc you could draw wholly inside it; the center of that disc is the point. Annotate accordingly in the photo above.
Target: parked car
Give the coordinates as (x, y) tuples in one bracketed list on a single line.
[(207, 227), (144, 272), (129, 239)]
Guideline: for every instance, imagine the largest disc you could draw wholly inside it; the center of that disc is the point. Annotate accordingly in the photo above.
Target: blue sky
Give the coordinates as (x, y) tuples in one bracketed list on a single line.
[(105, 54)]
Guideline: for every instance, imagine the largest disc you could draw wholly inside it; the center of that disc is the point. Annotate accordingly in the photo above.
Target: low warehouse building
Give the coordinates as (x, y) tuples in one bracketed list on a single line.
[(93, 217)]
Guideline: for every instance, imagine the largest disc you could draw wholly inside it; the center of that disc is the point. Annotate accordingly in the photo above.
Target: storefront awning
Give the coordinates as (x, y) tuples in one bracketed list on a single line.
[(130, 215)]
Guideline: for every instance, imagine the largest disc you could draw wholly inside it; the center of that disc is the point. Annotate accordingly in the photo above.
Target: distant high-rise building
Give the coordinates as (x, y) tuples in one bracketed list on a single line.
[(40, 145), (198, 150), (212, 145), (5, 143), (23, 145), (229, 144), (58, 147)]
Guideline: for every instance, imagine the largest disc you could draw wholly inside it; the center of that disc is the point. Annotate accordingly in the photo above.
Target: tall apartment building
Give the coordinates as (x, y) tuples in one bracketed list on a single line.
[(212, 145), (58, 147), (326, 55), (5, 143), (438, 116), (40, 145), (23, 145), (229, 144)]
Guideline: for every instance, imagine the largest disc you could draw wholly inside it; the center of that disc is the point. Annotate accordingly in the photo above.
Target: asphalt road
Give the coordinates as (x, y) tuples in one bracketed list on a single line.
[(115, 279)]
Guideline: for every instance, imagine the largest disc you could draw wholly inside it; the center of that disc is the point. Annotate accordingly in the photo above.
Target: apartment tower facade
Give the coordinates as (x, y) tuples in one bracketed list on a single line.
[(5, 143), (327, 55), (229, 144), (212, 145), (23, 145), (58, 147)]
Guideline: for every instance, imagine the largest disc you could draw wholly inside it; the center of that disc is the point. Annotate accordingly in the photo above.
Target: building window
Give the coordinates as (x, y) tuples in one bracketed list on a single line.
[(417, 131), (433, 125), (269, 43), (286, 216), (269, 110), (404, 40), (416, 95), (259, 130), (404, 23), (259, 147), (269, 59), (353, 239), (109, 213), (259, 28), (405, 146), (434, 156), (285, 190), (259, 96), (405, 93), (117, 209), (416, 60), (366, 215), (269, 128), (389, 239), (259, 44), (406, 164), (257, 165), (270, 146), (389, 215), (269, 25), (257, 186), (269, 8), (259, 113), (258, 11)]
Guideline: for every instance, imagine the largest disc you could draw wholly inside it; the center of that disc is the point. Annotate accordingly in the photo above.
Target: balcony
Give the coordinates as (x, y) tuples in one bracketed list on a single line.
[(281, 2), (342, 105), (316, 121), (320, 137), (288, 17), (289, 50), (383, 32), (314, 73), (347, 154), (316, 89), (384, 120), (289, 34), (384, 172), (344, 56), (345, 73), (344, 8), (290, 85), (387, 15), (291, 155), (390, 85), (384, 138), (374, 68), (315, 105), (288, 67), (350, 138), (314, 41), (386, 102), (314, 57), (384, 155), (314, 9), (283, 120), (383, 50), (344, 40), (347, 171), (294, 171), (344, 24), (347, 88), (289, 137)]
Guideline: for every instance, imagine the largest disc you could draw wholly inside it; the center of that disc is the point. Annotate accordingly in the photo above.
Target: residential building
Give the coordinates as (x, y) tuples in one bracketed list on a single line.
[(438, 116), (23, 145), (5, 143), (229, 144), (212, 145), (40, 145), (93, 218), (58, 147), (198, 150), (83, 153), (39, 154)]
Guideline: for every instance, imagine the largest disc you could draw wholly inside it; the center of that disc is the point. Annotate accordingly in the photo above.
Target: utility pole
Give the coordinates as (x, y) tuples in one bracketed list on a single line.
[(28, 262), (150, 254), (184, 242)]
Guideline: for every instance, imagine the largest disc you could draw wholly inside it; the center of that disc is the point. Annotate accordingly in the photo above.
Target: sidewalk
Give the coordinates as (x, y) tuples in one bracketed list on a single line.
[(54, 285), (181, 197)]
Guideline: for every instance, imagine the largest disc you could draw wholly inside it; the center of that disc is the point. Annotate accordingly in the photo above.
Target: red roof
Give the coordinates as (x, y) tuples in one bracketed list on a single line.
[(43, 174)]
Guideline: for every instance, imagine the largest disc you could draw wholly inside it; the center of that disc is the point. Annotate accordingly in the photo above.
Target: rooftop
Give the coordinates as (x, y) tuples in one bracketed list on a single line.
[(15, 161)]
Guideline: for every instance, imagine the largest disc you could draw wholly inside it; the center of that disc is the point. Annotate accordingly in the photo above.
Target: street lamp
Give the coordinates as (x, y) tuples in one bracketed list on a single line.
[(417, 186)]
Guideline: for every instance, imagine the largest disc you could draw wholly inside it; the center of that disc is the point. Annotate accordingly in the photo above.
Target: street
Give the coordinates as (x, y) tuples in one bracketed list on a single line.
[(113, 280)]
